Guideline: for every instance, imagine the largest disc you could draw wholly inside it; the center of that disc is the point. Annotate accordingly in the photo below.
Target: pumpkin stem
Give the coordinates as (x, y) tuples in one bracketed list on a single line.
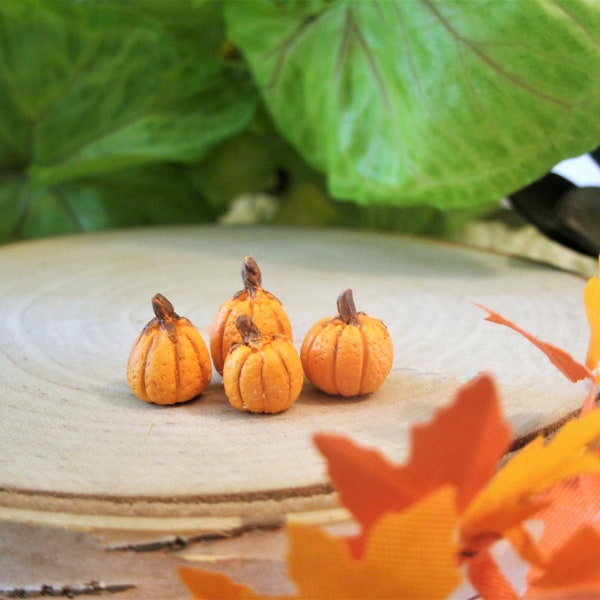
[(163, 309), (346, 308), (251, 275), (166, 315), (248, 329)]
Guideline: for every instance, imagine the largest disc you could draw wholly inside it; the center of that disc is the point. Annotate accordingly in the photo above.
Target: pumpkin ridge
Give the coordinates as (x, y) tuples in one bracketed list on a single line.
[(335, 358), (240, 374), (147, 355), (266, 401), (307, 349), (163, 393), (283, 322), (366, 356), (235, 363), (249, 362), (199, 353), (139, 354), (311, 340), (285, 366), (239, 387), (223, 342), (177, 366)]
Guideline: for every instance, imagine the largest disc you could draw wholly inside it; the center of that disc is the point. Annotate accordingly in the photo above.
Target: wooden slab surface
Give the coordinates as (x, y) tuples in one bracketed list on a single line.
[(77, 449)]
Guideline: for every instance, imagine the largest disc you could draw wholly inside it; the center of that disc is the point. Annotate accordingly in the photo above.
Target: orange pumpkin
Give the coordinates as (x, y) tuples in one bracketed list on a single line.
[(262, 374), (169, 361), (262, 306), (349, 354)]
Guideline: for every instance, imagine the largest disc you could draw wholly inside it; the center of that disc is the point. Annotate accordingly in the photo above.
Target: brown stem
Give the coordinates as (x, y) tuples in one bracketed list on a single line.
[(251, 275), (346, 308), (163, 309), (248, 329), (166, 315)]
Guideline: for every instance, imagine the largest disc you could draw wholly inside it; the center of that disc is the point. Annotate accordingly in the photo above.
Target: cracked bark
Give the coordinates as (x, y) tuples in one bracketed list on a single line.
[(91, 588), (41, 562)]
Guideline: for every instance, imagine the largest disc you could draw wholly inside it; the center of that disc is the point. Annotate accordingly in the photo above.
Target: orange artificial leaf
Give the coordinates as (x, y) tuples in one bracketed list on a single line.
[(563, 361), (368, 484), (590, 401), (487, 578), (522, 541), (463, 443), (490, 558), (498, 568), (460, 446), (591, 300), (573, 571), (205, 585), (409, 554), (510, 497), (569, 506)]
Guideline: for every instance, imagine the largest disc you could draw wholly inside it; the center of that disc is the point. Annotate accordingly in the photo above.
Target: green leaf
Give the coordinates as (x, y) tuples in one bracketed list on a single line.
[(442, 103), (157, 194), (198, 27), (183, 132), (90, 88), (257, 160), (160, 194), (104, 106), (307, 206), (243, 164), (14, 203)]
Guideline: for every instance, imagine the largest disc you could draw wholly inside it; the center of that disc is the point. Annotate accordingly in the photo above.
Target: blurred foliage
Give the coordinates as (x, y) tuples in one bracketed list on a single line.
[(387, 115)]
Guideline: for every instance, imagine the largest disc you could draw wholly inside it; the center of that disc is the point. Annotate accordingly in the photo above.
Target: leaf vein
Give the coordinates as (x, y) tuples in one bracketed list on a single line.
[(485, 58)]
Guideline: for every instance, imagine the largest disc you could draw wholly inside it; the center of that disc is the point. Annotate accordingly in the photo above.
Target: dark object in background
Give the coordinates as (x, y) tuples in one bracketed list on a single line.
[(565, 213)]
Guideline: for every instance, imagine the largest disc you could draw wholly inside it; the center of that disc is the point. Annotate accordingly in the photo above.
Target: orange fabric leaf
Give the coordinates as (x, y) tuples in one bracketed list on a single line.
[(591, 301), (463, 443), (573, 571), (590, 401), (408, 555), (487, 578), (569, 506), (460, 446), (487, 575), (563, 361), (588, 592), (524, 544), (510, 496), (205, 585), (368, 484), (411, 554)]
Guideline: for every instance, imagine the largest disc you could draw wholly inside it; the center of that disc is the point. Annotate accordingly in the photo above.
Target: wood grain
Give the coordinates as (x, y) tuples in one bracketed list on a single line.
[(77, 449)]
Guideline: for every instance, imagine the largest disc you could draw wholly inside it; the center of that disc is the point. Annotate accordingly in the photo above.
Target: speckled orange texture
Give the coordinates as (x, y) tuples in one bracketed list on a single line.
[(347, 355), (263, 374), (262, 306), (169, 361)]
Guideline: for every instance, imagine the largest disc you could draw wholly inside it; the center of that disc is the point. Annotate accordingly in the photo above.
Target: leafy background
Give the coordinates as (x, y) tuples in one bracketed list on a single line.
[(414, 116)]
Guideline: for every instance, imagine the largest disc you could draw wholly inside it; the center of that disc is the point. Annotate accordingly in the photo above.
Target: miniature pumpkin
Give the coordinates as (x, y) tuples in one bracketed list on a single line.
[(262, 306), (349, 354), (262, 374), (169, 361)]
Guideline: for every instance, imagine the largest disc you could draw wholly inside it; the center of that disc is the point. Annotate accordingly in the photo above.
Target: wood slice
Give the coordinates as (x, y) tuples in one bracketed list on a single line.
[(79, 450)]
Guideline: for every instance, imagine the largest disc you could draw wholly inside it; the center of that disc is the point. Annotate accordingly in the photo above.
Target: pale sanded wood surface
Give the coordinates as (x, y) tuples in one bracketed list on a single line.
[(77, 449)]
